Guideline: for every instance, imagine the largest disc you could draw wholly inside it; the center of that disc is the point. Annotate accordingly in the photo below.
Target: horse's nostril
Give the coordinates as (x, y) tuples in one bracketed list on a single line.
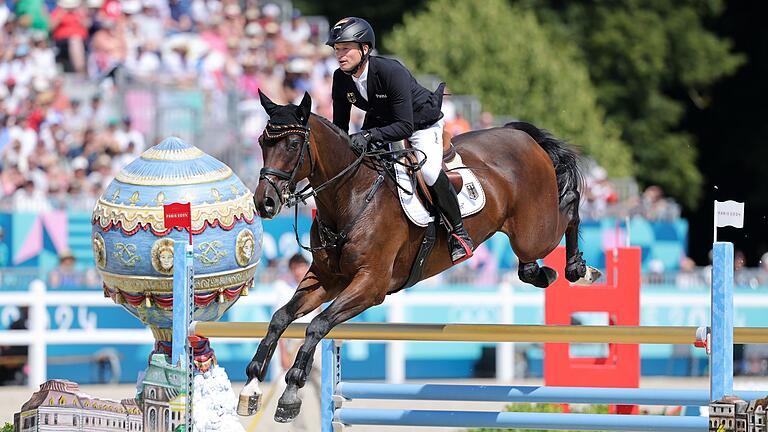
[(269, 205)]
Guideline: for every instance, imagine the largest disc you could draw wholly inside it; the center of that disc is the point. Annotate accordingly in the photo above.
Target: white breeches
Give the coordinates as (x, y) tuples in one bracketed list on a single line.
[(430, 141)]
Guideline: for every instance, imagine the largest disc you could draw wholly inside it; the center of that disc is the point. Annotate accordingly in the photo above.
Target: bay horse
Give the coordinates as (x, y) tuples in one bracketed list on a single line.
[(363, 246)]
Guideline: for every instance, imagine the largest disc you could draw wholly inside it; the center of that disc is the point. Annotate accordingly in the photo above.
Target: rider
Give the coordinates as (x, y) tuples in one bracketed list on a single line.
[(397, 108)]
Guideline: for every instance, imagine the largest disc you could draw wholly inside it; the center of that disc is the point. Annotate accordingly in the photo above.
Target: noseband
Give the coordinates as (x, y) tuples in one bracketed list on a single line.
[(274, 133)]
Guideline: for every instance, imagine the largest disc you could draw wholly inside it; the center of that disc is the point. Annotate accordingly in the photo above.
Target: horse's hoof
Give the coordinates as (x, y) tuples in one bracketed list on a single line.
[(589, 277), (546, 277), (249, 402), (287, 412)]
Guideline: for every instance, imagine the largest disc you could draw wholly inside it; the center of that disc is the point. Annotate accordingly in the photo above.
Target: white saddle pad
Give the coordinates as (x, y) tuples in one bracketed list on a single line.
[(471, 198)]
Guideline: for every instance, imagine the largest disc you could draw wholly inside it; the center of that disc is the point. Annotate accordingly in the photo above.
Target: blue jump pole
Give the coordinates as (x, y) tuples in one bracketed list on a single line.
[(721, 357), (529, 394), (471, 419)]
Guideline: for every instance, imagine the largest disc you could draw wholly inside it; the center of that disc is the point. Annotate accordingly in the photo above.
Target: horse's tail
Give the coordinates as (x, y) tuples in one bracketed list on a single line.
[(564, 159)]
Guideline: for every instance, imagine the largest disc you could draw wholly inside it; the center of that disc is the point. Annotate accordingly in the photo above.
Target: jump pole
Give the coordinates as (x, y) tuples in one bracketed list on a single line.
[(719, 341)]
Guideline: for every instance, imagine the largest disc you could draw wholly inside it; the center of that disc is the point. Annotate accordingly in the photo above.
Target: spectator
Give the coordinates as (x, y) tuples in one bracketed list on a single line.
[(296, 31), (13, 95), (32, 14), (69, 24), (598, 195), (126, 135), (145, 63), (250, 83), (95, 114), (30, 199), (687, 277), (42, 57), (178, 19), (486, 120), (457, 125), (149, 25), (108, 50), (65, 276)]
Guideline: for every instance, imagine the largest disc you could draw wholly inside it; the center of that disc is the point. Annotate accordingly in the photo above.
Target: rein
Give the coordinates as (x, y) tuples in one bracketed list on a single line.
[(383, 161)]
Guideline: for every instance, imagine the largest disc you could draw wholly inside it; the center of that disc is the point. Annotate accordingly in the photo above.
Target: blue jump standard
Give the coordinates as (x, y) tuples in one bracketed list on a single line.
[(467, 419), (531, 394)]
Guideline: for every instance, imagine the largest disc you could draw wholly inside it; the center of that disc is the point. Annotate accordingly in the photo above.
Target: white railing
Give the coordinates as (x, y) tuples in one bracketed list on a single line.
[(40, 335)]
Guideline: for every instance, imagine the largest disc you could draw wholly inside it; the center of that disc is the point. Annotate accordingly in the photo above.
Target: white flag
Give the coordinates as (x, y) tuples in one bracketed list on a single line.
[(729, 213)]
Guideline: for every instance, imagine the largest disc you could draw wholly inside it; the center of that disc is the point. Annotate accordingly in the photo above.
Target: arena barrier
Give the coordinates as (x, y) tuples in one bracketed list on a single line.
[(718, 340)]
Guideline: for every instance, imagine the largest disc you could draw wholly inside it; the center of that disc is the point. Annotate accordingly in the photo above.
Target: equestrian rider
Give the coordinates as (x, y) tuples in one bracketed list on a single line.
[(397, 108)]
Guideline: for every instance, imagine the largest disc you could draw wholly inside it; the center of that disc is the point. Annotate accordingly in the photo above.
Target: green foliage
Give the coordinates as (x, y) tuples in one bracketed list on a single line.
[(542, 408), (382, 14), (650, 60), (7, 428), (504, 56)]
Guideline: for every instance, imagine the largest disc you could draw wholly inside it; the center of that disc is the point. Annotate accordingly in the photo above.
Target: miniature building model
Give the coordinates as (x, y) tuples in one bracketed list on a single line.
[(756, 416), (162, 396), (722, 414), (733, 414), (59, 405)]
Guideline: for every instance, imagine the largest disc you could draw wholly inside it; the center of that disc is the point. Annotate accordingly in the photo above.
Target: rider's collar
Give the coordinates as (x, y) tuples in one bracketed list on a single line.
[(363, 76)]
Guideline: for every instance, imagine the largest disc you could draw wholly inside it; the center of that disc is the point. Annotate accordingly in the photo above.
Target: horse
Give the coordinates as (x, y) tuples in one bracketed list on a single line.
[(363, 247)]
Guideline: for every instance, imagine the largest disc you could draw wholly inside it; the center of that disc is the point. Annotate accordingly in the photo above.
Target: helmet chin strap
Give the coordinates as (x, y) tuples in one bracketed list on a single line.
[(363, 58)]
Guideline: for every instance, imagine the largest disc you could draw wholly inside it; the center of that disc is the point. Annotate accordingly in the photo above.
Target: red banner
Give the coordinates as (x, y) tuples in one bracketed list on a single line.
[(178, 215)]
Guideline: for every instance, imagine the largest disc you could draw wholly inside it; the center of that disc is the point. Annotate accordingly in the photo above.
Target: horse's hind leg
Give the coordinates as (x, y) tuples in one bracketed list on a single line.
[(308, 296), (364, 291), (535, 275), (576, 269)]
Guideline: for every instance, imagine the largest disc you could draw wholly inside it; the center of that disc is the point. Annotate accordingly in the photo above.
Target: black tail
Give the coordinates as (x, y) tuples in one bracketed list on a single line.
[(564, 159)]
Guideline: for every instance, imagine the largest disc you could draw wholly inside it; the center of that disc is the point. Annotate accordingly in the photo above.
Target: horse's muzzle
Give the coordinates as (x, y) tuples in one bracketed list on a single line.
[(266, 200)]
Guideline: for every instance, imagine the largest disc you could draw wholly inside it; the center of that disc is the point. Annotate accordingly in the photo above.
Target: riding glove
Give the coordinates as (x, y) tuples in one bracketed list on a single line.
[(360, 141)]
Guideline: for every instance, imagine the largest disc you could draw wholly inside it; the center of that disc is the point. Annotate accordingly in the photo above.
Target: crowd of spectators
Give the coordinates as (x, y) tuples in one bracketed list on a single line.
[(58, 150), (606, 197)]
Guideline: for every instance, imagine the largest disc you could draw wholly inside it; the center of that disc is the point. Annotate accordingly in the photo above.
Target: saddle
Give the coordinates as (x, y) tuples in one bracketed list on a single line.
[(449, 152)]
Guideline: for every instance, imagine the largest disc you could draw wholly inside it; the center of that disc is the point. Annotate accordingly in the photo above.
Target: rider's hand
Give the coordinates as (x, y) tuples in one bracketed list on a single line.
[(360, 140)]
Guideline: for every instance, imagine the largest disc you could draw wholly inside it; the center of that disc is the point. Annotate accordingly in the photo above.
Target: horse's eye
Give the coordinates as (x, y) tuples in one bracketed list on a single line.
[(293, 143)]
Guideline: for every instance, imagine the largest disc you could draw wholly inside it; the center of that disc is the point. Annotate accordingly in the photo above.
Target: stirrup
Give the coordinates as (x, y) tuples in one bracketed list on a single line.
[(467, 249)]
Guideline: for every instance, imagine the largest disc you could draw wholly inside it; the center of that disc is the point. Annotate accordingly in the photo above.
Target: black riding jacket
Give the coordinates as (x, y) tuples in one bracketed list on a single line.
[(397, 105)]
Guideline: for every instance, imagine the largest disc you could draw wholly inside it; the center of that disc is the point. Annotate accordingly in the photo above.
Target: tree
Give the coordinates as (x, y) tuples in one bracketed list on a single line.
[(649, 60), (503, 55), (382, 14)]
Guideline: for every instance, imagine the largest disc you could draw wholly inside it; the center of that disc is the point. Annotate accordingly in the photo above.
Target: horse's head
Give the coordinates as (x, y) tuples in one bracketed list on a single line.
[(285, 149)]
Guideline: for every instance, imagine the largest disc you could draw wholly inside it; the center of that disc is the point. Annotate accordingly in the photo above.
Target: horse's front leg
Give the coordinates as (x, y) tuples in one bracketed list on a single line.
[(308, 296), (364, 291)]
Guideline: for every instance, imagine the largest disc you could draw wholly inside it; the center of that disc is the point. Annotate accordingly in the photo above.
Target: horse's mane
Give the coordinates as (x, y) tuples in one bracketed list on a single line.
[(343, 135)]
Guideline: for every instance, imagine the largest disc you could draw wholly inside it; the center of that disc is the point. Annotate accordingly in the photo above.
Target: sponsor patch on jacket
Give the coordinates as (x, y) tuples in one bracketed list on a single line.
[(382, 96), (351, 97)]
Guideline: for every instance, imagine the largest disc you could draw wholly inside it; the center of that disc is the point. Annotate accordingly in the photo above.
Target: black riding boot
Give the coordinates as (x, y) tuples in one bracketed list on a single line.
[(460, 246)]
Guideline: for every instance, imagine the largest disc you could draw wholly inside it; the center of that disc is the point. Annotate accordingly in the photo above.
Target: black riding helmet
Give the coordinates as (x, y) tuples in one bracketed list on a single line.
[(353, 29)]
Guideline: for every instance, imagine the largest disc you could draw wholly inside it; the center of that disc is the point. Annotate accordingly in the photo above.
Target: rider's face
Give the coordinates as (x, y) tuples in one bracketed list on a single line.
[(348, 54)]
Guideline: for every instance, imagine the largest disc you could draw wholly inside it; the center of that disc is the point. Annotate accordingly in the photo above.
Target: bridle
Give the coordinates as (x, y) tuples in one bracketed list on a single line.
[(274, 133)]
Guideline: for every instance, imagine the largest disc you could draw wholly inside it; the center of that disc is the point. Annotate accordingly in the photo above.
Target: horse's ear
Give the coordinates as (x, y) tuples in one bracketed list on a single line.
[(267, 103), (305, 108)]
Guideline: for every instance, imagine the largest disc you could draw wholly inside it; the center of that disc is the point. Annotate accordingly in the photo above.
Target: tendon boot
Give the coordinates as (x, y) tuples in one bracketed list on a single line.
[(460, 245)]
